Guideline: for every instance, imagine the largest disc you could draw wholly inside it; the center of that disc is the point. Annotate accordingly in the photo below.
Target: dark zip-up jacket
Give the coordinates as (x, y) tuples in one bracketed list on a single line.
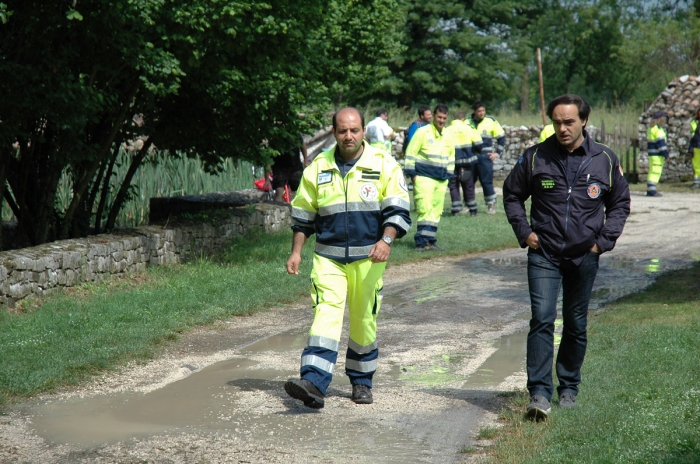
[(567, 219)]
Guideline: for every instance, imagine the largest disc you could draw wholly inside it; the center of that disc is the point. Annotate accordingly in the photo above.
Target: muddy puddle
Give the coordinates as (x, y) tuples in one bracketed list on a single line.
[(210, 400)]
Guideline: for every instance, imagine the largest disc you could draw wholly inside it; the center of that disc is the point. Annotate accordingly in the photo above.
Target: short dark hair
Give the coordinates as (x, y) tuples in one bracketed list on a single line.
[(478, 104), (380, 112), (459, 115), (584, 109), (422, 109), (441, 108), (362, 116)]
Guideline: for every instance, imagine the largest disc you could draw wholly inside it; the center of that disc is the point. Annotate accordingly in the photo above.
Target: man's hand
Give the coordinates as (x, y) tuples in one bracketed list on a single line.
[(379, 253), (493, 156), (293, 263), (596, 249), (532, 241)]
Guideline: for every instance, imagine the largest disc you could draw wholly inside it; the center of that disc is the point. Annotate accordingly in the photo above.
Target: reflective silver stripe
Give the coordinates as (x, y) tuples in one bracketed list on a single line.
[(441, 164), (427, 223), (396, 201), (399, 221), (427, 233), (360, 251), (359, 349), (322, 342), (353, 206), (472, 159), (331, 209), (364, 367), (330, 250), (363, 206), (303, 215), (466, 145), (434, 156), (491, 198), (311, 360)]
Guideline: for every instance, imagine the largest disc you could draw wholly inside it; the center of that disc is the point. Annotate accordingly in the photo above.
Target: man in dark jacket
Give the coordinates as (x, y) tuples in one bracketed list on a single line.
[(580, 202)]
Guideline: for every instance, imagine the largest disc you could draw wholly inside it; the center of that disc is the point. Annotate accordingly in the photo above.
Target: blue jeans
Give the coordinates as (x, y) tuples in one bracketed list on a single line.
[(545, 279)]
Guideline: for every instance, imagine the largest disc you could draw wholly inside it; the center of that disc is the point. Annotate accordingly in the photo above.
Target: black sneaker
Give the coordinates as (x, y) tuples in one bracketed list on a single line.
[(539, 408), (567, 400), (433, 247), (421, 247), (362, 394), (304, 390), (473, 213), (654, 194)]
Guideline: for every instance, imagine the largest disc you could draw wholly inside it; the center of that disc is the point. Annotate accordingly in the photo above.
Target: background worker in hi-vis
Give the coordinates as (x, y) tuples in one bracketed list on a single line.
[(354, 198), (379, 133), (694, 149), (430, 162), (657, 152)]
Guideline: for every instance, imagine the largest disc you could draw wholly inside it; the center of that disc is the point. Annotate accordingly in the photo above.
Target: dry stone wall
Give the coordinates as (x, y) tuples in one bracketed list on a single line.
[(66, 263), (680, 101)]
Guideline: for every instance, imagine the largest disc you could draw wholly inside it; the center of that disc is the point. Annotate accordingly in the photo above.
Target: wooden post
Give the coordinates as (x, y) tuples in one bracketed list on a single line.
[(539, 71)]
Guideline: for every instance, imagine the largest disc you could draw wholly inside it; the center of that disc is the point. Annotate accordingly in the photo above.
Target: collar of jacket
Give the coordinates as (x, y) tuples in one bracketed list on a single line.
[(590, 146), (365, 162)]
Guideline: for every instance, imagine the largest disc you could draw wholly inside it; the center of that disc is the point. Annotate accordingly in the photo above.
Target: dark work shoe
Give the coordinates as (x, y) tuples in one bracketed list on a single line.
[(421, 247), (473, 213), (433, 247), (654, 194), (302, 389), (362, 394), (567, 400), (539, 408)]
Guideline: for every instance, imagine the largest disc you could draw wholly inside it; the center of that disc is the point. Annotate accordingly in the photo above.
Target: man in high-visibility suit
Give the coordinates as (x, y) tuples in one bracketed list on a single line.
[(354, 198), (494, 138), (467, 145), (657, 152), (694, 149), (547, 131), (430, 162), (379, 133)]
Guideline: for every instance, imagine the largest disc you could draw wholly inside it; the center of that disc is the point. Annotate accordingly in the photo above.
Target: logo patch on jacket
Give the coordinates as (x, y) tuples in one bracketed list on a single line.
[(547, 183), (368, 192), (324, 178), (594, 190)]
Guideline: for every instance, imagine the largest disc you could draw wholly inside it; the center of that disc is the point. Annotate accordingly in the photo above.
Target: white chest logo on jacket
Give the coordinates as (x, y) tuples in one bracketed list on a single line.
[(368, 192)]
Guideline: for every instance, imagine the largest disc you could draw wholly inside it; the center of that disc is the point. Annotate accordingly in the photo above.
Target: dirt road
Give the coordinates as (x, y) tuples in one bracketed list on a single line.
[(452, 338)]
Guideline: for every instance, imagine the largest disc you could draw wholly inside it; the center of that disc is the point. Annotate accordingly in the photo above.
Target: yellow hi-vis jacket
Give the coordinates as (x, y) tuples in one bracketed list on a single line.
[(547, 131), (467, 142), (490, 129), (656, 142), (348, 215), (430, 154)]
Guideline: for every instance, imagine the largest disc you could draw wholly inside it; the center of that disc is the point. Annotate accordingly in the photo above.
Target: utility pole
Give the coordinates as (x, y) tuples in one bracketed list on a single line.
[(539, 70)]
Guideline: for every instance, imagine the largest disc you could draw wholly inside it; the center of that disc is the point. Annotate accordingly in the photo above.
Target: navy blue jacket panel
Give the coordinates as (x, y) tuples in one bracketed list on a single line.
[(568, 219)]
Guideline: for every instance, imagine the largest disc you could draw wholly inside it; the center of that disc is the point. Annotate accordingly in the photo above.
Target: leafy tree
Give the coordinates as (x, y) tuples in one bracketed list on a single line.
[(214, 78)]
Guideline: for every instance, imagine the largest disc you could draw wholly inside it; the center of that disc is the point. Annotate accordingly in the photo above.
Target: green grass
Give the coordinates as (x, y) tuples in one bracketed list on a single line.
[(640, 395), (68, 337)]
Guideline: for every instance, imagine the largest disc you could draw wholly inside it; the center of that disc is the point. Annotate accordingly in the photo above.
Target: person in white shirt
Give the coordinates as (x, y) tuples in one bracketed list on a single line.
[(379, 134)]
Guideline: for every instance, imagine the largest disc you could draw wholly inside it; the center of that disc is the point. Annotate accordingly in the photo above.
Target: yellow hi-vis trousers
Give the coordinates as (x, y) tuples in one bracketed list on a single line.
[(696, 164), (656, 166), (332, 284), (429, 195)]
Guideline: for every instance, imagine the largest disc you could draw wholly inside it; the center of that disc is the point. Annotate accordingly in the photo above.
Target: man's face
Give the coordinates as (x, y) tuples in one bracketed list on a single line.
[(427, 117), (348, 132), (480, 113), (568, 126), (384, 116), (440, 120)]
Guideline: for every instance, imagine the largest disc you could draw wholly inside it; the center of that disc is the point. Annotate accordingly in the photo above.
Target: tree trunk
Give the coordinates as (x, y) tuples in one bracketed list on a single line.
[(525, 93), (124, 188), (3, 176), (83, 182), (105, 191)]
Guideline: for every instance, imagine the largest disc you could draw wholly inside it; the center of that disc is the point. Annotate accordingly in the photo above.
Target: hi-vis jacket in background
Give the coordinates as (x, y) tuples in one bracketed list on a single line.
[(348, 215), (490, 131), (466, 140), (430, 154)]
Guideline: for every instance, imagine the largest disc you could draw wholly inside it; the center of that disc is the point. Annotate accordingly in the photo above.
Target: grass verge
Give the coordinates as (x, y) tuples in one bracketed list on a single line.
[(68, 337), (640, 395)]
